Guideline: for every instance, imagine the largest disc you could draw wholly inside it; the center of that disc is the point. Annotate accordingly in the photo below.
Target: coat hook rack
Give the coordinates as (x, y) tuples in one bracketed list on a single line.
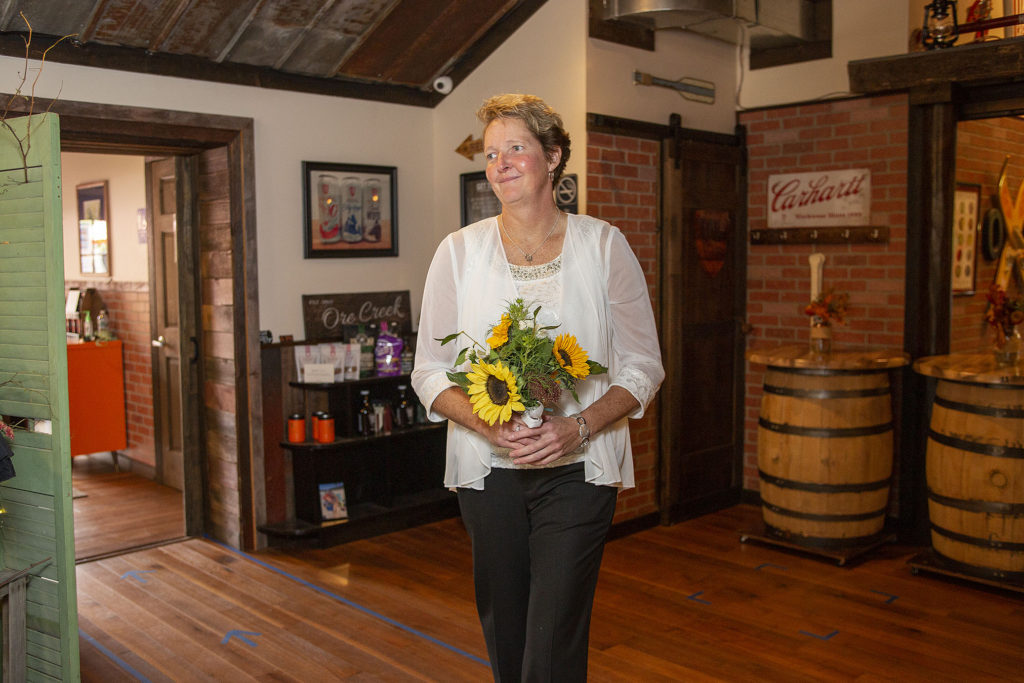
[(832, 235)]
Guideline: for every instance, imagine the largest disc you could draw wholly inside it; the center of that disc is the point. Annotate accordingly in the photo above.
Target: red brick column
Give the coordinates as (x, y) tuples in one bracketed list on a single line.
[(622, 188)]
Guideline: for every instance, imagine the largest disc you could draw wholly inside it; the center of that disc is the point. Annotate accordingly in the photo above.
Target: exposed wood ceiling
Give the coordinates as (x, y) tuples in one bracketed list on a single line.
[(386, 50)]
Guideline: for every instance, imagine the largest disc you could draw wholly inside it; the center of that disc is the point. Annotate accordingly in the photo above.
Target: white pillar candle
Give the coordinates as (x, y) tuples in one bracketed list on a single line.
[(817, 262)]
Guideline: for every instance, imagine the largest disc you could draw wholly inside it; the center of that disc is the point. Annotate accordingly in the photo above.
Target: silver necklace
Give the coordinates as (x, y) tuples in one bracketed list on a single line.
[(529, 257)]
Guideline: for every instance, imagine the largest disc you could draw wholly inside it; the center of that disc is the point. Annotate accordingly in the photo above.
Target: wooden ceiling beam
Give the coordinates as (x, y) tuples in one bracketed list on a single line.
[(196, 68)]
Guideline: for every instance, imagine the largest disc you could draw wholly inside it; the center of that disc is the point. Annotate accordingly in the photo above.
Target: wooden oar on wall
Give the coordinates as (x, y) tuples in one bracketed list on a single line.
[(690, 88)]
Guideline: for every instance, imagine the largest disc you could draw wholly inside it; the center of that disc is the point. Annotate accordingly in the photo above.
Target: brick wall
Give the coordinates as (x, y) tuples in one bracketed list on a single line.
[(856, 133), (128, 307), (982, 146), (622, 188)]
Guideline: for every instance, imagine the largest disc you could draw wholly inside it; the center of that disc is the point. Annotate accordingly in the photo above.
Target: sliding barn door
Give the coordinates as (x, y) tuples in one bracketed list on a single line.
[(36, 525), (702, 314)]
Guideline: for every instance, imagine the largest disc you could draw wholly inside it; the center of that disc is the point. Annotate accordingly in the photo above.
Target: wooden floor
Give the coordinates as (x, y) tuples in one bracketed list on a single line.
[(683, 603), (116, 510)]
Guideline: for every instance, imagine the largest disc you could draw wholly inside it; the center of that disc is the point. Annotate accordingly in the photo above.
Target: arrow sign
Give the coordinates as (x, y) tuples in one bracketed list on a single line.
[(470, 147), (135, 574), (241, 635)]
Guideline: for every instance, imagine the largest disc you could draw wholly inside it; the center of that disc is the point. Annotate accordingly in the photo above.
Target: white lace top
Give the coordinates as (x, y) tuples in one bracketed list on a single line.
[(602, 299), (538, 285)]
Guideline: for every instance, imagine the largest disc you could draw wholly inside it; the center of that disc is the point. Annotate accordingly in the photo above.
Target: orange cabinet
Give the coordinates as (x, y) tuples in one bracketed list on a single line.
[(96, 397)]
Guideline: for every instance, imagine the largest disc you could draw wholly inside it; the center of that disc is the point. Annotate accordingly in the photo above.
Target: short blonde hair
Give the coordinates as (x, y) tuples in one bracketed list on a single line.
[(540, 119)]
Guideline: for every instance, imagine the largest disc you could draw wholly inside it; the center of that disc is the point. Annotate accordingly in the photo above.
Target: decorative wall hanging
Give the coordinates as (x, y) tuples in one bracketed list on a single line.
[(349, 210), (93, 228), (965, 234)]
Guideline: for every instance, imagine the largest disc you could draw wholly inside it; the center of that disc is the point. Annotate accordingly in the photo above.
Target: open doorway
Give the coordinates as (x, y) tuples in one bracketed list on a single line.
[(127, 484)]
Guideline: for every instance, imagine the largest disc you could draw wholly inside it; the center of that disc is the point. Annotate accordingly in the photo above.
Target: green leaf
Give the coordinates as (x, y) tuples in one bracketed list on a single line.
[(460, 378), (596, 368), (461, 358), (450, 337)]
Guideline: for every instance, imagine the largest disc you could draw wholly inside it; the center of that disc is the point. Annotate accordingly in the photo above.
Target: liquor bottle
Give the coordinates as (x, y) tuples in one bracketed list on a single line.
[(364, 424), (102, 324), (407, 358), (405, 415), (87, 328)]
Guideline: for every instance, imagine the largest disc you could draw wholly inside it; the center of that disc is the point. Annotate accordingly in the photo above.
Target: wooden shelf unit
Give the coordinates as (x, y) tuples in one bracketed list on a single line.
[(392, 481)]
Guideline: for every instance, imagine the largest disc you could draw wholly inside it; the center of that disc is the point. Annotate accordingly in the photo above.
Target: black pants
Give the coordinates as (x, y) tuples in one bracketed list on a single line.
[(538, 536)]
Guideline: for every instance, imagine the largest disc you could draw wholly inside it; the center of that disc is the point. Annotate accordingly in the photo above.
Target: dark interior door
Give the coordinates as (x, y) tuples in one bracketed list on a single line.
[(166, 322), (702, 314)]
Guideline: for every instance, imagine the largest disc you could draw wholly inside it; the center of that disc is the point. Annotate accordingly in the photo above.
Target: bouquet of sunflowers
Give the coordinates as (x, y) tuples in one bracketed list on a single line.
[(522, 367)]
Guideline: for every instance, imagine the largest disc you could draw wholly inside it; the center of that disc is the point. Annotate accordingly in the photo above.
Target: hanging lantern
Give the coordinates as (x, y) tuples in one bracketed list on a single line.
[(940, 28)]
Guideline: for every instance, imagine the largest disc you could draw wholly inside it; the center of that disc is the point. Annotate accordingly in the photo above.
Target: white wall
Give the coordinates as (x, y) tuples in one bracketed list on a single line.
[(546, 58), (126, 192), (289, 128), (861, 29), (677, 54), (550, 56)]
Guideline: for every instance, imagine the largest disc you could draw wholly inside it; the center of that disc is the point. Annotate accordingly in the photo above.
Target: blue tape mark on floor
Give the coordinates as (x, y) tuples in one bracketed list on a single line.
[(815, 635), (695, 598), (769, 564), (891, 596), (112, 657), (241, 635), (354, 605), (135, 574)]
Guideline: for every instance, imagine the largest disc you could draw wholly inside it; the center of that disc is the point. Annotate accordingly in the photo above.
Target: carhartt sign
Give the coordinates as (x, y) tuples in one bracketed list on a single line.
[(820, 199)]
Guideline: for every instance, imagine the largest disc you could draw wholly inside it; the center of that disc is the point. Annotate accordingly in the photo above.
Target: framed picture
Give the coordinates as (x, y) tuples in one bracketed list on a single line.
[(349, 210), (332, 501), (966, 211), (93, 228), (476, 198)]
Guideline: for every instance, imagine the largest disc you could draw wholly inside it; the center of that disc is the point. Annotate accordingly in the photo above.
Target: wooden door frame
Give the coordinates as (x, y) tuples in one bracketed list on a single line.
[(114, 129), (672, 295), (943, 87)]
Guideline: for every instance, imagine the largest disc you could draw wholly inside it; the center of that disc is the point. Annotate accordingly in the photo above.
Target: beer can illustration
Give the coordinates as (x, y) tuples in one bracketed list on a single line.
[(371, 210), (328, 208), (351, 209)]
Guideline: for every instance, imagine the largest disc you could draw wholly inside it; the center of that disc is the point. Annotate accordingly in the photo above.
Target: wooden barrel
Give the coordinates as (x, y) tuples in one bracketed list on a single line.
[(825, 455), (975, 473)]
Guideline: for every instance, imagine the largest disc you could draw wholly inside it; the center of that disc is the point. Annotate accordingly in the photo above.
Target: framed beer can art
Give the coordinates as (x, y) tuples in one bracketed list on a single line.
[(349, 210)]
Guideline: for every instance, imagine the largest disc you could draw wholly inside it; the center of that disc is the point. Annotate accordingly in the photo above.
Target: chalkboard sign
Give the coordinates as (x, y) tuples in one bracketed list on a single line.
[(327, 317)]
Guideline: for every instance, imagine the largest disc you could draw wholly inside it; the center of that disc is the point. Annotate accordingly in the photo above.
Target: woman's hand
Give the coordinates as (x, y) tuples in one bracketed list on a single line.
[(542, 445)]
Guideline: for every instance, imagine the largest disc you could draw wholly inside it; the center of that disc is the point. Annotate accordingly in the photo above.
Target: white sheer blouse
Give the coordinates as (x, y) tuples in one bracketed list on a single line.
[(604, 304)]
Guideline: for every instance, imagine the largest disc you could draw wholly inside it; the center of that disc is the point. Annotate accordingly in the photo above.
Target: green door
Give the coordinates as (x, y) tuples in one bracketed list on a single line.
[(37, 521)]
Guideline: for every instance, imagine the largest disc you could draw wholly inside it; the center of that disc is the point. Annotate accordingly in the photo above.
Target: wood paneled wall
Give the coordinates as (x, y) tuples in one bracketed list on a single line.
[(218, 356)]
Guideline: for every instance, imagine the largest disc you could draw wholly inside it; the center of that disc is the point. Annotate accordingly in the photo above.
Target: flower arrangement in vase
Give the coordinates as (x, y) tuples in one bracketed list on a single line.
[(1004, 314), (522, 368), (827, 308)]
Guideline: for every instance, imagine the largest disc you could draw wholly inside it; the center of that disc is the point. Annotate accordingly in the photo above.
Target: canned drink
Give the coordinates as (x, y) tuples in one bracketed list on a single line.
[(371, 210), (328, 208), (351, 210)]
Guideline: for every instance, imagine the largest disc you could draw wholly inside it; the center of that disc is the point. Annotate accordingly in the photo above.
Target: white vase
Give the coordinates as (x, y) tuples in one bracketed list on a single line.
[(533, 416)]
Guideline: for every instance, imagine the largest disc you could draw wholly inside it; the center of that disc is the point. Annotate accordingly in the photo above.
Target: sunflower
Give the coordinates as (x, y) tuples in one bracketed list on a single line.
[(493, 392), (570, 356), (499, 335)]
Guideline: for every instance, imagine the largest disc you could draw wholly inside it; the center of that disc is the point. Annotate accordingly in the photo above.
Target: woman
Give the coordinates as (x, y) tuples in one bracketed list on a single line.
[(538, 502)]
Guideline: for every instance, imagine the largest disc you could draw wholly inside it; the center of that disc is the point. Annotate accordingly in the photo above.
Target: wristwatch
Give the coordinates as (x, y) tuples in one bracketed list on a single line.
[(584, 429)]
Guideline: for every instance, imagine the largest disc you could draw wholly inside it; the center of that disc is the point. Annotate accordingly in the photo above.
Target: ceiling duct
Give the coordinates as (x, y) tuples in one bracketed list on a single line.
[(768, 23)]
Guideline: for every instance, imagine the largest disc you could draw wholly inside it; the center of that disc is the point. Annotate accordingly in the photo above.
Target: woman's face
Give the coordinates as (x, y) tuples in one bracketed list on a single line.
[(517, 167)]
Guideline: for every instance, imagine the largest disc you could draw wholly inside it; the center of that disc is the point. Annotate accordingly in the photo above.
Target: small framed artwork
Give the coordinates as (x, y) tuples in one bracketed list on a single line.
[(477, 198), (332, 502), (349, 210), (966, 211), (93, 228)]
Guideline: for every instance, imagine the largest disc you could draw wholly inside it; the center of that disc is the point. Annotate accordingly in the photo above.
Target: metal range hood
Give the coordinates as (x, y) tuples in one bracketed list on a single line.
[(769, 23)]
